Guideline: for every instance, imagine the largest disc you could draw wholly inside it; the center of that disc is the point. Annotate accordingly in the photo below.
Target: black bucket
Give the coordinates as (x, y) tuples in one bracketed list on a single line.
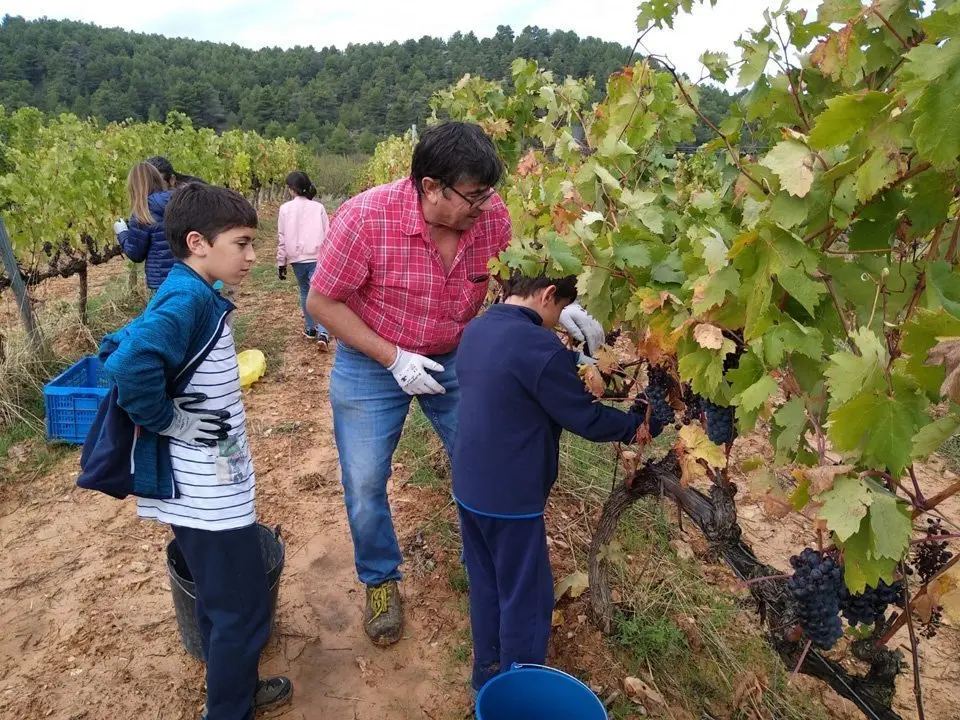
[(184, 590)]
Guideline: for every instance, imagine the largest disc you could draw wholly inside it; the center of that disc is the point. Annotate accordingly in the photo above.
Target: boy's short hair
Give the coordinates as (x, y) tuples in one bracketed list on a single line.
[(206, 209), (524, 286)]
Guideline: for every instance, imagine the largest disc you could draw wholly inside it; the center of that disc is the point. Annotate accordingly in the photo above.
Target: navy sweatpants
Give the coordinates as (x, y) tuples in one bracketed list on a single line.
[(233, 613), (511, 591)]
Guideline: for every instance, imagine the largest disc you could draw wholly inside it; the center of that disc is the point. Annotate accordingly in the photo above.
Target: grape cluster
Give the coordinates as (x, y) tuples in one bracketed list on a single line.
[(816, 585), (661, 413), (870, 606), (930, 557), (612, 336), (732, 360), (720, 426), (693, 405)]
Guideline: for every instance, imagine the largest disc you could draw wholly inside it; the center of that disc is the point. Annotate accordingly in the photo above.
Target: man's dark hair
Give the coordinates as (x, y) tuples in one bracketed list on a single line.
[(164, 166), (206, 209), (524, 286), (454, 151)]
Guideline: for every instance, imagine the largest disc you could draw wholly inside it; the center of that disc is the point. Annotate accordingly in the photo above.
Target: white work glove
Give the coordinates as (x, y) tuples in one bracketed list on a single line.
[(197, 427), (585, 359), (120, 226), (410, 372), (581, 325)]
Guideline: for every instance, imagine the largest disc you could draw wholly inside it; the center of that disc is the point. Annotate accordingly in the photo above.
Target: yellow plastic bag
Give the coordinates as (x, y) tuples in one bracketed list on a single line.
[(253, 365)]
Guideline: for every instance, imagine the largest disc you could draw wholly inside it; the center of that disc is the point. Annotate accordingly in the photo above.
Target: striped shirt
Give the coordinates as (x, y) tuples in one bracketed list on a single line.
[(210, 500)]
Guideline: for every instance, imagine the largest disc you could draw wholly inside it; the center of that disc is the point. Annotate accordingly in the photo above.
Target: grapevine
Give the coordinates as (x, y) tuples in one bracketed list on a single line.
[(800, 272)]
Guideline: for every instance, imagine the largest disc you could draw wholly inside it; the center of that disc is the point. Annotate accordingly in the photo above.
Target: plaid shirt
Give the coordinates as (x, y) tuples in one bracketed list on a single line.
[(380, 260)]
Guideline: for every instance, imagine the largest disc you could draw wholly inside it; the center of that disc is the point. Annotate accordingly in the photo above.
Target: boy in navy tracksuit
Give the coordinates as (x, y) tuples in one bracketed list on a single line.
[(519, 390)]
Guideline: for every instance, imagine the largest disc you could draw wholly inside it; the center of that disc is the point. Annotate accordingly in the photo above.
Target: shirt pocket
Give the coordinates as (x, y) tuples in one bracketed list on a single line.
[(472, 293)]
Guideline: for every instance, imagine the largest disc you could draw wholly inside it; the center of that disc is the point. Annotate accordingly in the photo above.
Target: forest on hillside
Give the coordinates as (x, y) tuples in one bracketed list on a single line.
[(339, 101)]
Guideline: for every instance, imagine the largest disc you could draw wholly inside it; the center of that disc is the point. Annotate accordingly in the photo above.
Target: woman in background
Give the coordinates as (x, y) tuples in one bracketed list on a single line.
[(301, 229), (143, 239)]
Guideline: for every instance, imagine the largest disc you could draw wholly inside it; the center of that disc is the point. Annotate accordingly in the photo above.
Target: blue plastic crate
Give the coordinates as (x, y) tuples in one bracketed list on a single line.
[(72, 399)]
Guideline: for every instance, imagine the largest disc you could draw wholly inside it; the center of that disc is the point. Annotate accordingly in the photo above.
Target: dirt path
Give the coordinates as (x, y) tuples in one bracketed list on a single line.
[(88, 624)]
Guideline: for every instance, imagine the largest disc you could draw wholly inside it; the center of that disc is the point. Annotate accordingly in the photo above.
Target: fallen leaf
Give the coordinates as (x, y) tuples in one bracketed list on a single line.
[(821, 478), (556, 620), (925, 606), (692, 631), (576, 583), (949, 587), (593, 380), (750, 689), (641, 693), (947, 353), (708, 336), (776, 507)]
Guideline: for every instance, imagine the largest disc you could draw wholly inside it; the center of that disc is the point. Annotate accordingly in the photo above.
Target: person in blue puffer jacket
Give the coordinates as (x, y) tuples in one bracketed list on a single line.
[(143, 239)]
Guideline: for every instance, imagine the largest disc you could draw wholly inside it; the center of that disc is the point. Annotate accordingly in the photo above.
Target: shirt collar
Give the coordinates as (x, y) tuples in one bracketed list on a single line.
[(412, 222)]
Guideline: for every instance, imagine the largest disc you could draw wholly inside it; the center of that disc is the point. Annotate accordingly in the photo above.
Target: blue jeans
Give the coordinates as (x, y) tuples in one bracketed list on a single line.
[(233, 613), (369, 410), (303, 271)]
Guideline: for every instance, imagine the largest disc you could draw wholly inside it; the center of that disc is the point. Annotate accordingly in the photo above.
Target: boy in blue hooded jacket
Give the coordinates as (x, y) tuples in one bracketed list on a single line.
[(177, 377), (519, 390)]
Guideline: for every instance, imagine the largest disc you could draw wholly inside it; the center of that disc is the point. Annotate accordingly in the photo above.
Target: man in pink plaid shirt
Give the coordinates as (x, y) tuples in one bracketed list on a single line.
[(403, 270)]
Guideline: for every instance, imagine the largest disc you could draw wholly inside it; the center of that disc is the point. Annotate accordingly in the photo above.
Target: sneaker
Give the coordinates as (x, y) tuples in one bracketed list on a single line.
[(310, 334), (383, 615), (272, 691), (323, 341)]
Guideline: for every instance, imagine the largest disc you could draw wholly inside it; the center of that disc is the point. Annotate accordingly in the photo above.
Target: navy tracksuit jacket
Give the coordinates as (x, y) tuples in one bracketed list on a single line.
[(519, 390)]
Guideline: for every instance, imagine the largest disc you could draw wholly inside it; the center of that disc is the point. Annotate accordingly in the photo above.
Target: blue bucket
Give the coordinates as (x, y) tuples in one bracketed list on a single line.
[(536, 692)]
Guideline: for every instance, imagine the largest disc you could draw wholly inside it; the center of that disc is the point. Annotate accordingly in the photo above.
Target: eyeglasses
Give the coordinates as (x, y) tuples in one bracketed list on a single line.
[(474, 202)]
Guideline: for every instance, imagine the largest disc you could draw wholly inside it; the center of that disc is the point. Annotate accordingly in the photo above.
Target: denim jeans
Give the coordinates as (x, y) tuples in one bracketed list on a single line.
[(303, 271), (369, 410)]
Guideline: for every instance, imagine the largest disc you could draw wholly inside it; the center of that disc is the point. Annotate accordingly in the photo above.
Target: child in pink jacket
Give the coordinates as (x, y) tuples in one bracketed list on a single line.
[(301, 229)]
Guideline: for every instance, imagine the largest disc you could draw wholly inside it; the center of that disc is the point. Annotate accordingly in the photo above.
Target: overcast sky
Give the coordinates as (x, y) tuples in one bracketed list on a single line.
[(259, 23)]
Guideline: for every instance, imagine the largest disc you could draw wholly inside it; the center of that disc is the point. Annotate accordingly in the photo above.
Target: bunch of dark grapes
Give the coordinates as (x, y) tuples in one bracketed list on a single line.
[(815, 586), (930, 557), (693, 405), (661, 413), (720, 425), (870, 606), (732, 360), (612, 337)]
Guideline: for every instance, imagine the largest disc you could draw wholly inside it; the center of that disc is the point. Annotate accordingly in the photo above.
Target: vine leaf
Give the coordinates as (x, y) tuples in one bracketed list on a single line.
[(792, 162), (947, 353), (849, 374), (845, 116), (845, 506), (822, 478), (930, 437), (593, 380), (878, 427), (860, 566), (890, 525), (696, 444), (708, 336)]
